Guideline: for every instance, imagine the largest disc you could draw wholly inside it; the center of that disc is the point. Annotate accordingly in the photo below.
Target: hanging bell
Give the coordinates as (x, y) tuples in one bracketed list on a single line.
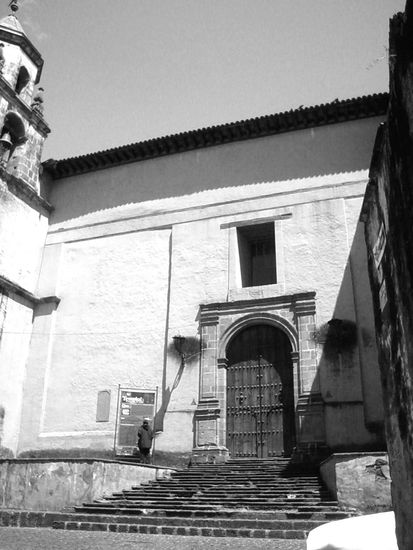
[(5, 148), (6, 142)]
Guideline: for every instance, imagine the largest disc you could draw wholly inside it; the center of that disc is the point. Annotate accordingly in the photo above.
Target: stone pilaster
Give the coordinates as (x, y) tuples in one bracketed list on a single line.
[(209, 426), (305, 320), (310, 421), (208, 381)]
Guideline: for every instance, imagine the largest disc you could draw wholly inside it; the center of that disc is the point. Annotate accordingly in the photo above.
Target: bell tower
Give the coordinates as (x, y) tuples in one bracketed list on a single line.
[(24, 214), (22, 127)]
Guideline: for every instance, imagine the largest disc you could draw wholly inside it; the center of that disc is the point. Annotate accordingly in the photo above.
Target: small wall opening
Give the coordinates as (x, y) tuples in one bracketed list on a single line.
[(23, 78), (256, 245)]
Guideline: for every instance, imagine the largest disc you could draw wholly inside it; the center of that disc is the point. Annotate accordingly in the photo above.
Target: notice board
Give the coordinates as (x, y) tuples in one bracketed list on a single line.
[(133, 406)]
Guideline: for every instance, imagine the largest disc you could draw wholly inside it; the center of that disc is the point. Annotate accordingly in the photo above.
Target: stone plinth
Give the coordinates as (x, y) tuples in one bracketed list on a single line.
[(209, 454), (359, 480)]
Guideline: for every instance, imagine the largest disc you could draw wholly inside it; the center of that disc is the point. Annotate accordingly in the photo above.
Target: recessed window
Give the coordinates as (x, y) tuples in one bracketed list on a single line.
[(256, 245)]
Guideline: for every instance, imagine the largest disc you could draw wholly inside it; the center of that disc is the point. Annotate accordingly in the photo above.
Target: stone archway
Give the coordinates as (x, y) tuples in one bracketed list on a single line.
[(294, 316)]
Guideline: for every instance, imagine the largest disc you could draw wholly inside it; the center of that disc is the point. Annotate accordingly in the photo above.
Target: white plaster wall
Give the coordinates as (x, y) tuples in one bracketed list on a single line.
[(345, 425), (109, 329), (199, 274), (133, 251), (330, 150), (22, 236), (14, 348), (316, 254), (98, 278), (371, 383)]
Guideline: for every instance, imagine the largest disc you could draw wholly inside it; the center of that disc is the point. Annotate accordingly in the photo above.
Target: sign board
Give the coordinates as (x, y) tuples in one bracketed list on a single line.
[(133, 406)]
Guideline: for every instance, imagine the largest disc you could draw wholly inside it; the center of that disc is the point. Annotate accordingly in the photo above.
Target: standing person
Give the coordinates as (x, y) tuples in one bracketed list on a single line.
[(145, 436)]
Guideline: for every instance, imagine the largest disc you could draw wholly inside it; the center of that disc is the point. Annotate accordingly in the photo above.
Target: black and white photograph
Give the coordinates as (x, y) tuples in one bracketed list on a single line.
[(206, 274)]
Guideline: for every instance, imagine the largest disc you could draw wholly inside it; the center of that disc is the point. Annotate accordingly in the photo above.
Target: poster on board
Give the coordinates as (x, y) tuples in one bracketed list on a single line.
[(133, 406)]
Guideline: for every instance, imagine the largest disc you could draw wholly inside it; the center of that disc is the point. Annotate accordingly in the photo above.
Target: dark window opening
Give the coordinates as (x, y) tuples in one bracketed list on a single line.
[(23, 79), (256, 244)]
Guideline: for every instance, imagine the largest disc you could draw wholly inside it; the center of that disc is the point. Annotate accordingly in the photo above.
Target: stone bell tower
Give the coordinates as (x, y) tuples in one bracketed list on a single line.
[(23, 129), (24, 214)]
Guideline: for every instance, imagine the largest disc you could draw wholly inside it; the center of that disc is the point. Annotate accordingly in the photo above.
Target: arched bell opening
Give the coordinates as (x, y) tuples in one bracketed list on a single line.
[(12, 135), (260, 412)]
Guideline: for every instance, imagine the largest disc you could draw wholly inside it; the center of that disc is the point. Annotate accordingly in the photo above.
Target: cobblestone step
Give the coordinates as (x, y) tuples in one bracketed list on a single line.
[(127, 524), (234, 504), (215, 493), (225, 522), (283, 529), (235, 501), (183, 531), (322, 515)]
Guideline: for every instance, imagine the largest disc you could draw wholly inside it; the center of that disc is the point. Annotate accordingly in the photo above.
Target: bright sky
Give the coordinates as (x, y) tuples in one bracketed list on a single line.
[(121, 71)]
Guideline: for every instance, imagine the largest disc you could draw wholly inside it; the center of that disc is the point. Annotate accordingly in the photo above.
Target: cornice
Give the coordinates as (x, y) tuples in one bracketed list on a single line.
[(210, 312), (31, 116), (25, 192), (298, 119), (13, 288)]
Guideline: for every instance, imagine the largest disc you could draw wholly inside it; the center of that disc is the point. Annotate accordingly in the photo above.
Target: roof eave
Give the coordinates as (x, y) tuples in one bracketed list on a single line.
[(299, 119)]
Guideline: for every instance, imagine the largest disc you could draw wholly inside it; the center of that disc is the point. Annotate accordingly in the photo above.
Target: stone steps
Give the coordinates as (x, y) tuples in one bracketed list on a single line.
[(313, 513), (212, 497), (245, 497), (195, 526), (223, 491), (281, 505), (265, 505)]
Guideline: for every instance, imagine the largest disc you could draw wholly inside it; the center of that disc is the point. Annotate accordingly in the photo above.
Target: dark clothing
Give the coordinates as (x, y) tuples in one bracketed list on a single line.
[(145, 436), (145, 458)]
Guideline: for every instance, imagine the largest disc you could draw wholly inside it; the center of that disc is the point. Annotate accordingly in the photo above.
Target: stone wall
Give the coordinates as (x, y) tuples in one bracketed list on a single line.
[(29, 484), (359, 480), (388, 214)]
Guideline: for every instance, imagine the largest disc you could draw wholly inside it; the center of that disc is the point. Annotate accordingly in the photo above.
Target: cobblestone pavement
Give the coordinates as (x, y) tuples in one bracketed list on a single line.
[(12, 538)]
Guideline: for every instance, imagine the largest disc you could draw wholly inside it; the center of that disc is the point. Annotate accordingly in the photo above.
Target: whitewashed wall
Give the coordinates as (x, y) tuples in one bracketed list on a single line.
[(133, 251)]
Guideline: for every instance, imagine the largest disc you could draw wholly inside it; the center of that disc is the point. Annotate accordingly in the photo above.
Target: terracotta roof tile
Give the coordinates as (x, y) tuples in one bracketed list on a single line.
[(319, 115)]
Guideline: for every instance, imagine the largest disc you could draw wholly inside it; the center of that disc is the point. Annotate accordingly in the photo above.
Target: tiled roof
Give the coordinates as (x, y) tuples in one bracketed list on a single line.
[(298, 119)]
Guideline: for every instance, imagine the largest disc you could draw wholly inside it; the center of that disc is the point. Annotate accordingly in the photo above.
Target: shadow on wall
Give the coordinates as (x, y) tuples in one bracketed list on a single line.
[(329, 149), (348, 376), (188, 356), (186, 353)]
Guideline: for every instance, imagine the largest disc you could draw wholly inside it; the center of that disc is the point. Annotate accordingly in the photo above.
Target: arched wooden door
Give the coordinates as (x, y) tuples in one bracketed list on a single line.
[(260, 393)]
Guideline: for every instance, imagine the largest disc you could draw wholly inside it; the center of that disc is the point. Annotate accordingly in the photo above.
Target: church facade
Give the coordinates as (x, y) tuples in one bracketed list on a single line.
[(222, 269)]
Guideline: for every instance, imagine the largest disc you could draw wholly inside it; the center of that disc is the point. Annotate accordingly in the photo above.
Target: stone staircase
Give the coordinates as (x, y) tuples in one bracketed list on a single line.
[(269, 498)]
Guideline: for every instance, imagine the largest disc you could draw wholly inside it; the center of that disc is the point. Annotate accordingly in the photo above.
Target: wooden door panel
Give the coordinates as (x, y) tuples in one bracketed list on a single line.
[(260, 404)]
